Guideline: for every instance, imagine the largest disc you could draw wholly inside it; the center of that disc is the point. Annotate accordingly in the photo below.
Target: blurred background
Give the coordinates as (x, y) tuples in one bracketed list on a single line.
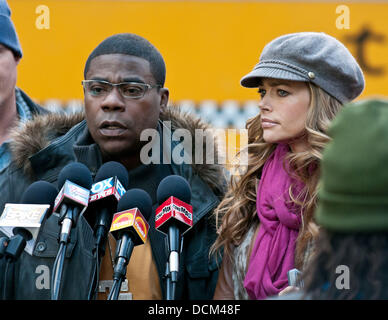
[(207, 45)]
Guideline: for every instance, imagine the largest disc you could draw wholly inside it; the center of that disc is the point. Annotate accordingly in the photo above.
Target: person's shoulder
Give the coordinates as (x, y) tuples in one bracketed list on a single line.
[(37, 134), (34, 107), (13, 182)]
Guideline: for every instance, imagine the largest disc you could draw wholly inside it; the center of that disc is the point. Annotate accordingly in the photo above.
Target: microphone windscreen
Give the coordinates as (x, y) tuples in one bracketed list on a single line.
[(111, 169), (77, 173), (40, 192), (136, 198), (175, 186)]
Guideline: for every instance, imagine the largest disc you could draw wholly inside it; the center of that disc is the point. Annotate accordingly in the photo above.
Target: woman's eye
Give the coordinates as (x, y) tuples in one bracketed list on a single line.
[(282, 93), (261, 92)]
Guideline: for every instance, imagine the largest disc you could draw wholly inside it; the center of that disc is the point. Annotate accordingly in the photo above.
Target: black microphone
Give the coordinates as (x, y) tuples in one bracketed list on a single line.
[(173, 217), (110, 184), (75, 181), (25, 220), (40, 192), (130, 228)]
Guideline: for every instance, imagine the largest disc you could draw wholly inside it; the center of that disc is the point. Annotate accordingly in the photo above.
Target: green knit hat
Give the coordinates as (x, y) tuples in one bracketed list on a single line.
[(353, 194)]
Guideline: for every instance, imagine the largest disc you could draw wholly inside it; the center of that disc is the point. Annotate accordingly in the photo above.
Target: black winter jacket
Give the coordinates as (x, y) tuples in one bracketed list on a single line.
[(41, 149)]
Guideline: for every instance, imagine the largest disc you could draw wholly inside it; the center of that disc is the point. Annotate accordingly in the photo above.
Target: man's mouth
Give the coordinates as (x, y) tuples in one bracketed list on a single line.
[(112, 128)]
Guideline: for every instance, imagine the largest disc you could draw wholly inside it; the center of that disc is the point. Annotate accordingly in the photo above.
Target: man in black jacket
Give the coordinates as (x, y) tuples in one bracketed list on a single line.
[(15, 105), (124, 96)]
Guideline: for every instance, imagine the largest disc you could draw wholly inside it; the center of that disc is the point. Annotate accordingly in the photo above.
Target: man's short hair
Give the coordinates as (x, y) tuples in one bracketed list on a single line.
[(133, 45)]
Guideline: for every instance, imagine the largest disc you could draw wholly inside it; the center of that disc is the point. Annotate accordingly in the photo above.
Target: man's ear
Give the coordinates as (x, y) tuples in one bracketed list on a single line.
[(164, 95), (17, 59)]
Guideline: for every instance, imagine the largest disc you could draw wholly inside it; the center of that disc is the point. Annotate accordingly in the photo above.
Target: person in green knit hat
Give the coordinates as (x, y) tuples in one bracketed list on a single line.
[(351, 257)]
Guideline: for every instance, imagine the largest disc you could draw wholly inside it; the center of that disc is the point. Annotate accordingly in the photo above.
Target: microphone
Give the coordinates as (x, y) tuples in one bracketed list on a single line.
[(74, 181), (110, 184), (173, 217), (22, 222), (130, 228)]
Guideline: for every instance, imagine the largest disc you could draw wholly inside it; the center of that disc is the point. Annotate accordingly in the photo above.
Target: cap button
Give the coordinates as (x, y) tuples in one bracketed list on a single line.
[(311, 75)]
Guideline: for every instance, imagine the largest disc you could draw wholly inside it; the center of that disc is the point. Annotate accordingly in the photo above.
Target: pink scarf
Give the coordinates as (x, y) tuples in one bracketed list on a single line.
[(273, 252)]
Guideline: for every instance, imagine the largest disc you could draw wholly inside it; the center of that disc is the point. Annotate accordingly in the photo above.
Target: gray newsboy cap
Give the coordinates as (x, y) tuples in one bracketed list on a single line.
[(311, 57)]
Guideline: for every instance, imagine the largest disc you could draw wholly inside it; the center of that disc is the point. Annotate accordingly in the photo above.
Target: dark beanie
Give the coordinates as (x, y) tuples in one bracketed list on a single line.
[(8, 36), (353, 194)]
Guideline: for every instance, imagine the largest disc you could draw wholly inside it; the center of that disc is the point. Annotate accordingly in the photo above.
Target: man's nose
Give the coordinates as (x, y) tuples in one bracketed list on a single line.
[(113, 101)]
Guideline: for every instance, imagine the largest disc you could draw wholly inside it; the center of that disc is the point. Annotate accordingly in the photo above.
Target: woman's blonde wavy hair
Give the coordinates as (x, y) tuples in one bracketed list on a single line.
[(237, 211)]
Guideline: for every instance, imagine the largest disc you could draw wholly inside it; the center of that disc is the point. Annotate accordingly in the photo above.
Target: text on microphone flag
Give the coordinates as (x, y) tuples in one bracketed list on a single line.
[(59, 198), (102, 194), (173, 207), (102, 185), (78, 193), (131, 218), (23, 214), (122, 220), (141, 227), (74, 192), (26, 216), (106, 188)]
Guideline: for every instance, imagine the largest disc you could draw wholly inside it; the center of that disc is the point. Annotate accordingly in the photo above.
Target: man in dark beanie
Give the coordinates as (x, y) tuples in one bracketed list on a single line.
[(15, 105)]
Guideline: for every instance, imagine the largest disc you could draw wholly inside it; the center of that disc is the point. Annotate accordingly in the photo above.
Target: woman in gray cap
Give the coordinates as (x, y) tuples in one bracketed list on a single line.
[(266, 225)]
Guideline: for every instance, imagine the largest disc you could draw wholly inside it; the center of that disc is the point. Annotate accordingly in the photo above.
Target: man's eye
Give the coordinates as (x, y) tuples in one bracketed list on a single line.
[(132, 90), (282, 93), (97, 89)]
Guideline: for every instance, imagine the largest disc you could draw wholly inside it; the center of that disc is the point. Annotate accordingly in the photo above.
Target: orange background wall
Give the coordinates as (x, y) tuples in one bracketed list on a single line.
[(208, 45)]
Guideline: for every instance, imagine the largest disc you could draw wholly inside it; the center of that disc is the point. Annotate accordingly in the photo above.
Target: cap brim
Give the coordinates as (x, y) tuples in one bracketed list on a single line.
[(253, 79)]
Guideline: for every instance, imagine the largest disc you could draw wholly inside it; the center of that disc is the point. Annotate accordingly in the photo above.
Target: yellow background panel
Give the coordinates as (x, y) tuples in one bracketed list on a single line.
[(207, 45)]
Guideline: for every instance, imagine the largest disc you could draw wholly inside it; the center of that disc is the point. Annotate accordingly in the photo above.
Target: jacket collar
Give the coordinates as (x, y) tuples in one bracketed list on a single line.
[(36, 140)]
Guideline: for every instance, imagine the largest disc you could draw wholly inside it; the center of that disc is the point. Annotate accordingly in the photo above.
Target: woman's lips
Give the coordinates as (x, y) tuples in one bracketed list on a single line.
[(267, 123)]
